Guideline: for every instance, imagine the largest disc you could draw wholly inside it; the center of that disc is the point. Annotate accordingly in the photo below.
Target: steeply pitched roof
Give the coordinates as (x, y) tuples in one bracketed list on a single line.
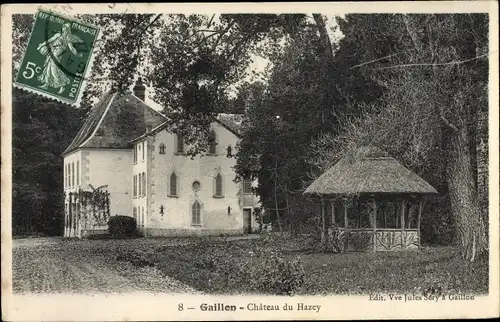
[(369, 171), (231, 122), (114, 121)]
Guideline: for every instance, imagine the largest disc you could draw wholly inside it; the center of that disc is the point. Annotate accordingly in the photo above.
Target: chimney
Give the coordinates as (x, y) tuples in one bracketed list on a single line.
[(140, 89)]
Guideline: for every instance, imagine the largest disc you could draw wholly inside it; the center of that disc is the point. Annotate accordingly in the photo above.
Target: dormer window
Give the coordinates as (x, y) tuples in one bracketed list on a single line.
[(212, 143), (162, 148), (180, 144)]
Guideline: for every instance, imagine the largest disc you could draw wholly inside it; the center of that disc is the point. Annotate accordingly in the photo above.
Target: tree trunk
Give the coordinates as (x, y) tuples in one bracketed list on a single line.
[(278, 218), (463, 195), (324, 38)]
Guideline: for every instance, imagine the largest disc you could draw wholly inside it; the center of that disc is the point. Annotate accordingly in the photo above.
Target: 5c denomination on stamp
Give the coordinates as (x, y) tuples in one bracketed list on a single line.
[(58, 57)]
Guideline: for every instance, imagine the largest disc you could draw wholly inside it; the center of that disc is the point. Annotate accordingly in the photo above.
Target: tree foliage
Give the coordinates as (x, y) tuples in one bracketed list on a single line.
[(41, 130), (434, 83)]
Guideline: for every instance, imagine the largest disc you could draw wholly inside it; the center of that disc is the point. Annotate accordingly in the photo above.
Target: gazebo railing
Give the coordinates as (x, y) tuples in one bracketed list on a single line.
[(386, 239)]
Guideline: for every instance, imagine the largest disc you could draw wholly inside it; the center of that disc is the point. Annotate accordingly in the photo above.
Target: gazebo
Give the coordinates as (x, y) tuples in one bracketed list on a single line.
[(370, 202)]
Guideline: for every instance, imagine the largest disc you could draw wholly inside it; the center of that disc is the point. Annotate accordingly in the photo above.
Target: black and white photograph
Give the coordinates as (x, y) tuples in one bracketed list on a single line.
[(261, 163)]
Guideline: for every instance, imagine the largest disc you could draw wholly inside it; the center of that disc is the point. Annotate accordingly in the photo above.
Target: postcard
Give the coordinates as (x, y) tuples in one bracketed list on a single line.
[(250, 161)]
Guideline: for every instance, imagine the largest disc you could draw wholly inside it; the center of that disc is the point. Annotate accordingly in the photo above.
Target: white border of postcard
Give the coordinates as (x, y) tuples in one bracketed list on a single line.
[(66, 307)]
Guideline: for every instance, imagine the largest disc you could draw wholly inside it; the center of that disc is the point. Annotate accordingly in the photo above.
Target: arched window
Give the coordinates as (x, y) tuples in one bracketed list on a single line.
[(162, 148), (218, 186), (229, 151), (180, 144), (212, 143), (196, 213), (173, 185)]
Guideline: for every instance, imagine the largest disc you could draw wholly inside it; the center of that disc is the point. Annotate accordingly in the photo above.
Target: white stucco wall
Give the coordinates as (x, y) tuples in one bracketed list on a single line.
[(177, 215), (141, 166), (112, 168)]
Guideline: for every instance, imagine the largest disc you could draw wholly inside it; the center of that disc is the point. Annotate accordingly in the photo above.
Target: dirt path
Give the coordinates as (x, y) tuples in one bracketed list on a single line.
[(53, 265)]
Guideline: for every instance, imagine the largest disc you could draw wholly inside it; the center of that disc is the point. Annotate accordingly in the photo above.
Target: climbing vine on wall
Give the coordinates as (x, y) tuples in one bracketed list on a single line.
[(86, 210)]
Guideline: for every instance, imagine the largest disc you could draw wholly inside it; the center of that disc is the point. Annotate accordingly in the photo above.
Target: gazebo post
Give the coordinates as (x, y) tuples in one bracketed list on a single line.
[(346, 226), (346, 223), (332, 205), (420, 206), (374, 224), (323, 224), (403, 208)]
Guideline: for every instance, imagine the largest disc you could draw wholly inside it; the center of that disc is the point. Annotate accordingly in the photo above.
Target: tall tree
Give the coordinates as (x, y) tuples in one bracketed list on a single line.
[(434, 82), (41, 130)]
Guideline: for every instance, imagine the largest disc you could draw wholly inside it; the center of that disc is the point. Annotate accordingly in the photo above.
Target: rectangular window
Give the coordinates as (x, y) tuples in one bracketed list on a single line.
[(143, 148), (72, 174), (144, 183), (135, 187), (140, 185), (135, 153), (77, 173), (247, 186), (142, 217)]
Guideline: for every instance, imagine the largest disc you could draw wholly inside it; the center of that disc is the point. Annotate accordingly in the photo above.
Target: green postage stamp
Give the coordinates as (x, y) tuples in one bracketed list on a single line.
[(58, 57)]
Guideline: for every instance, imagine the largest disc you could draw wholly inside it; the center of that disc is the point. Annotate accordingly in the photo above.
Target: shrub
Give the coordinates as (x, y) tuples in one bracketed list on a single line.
[(122, 226), (280, 276)]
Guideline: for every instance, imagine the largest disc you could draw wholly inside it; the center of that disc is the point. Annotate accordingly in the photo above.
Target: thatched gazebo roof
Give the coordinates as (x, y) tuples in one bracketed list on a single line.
[(371, 171)]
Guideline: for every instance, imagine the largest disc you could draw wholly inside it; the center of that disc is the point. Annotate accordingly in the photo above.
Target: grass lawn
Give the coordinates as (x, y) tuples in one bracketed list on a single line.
[(242, 266), (216, 265)]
